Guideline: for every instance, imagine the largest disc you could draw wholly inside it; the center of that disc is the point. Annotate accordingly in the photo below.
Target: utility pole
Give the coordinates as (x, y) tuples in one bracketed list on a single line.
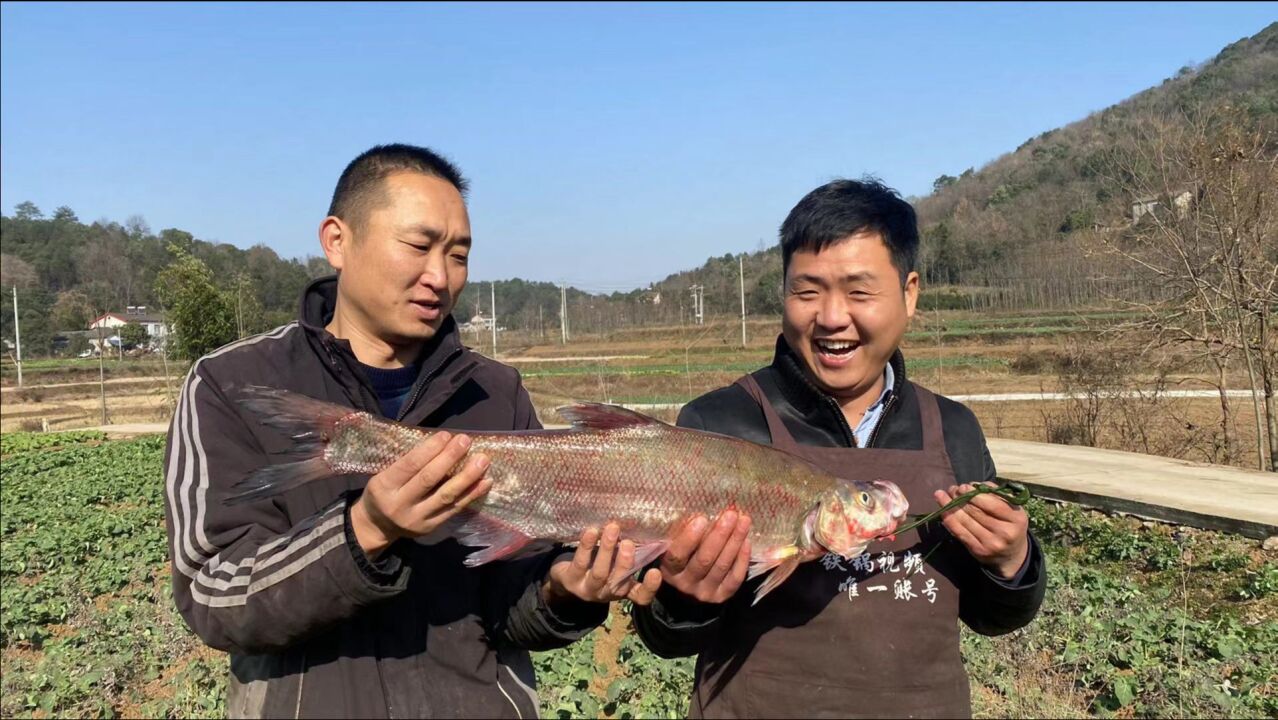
[(741, 271), (699, 303), (563, 312), (239, 310), (101, 372), (492, 296), (164, 355), (17, 334)]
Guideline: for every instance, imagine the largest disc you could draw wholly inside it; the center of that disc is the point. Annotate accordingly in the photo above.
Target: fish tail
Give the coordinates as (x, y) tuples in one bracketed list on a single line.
[(309, 422), (306, 420)]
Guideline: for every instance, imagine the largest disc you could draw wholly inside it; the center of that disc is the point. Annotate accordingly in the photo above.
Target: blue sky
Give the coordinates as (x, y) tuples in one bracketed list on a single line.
[(607, 145)]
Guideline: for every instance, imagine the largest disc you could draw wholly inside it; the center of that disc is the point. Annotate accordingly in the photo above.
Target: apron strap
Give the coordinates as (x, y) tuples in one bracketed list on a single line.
[(781, 437), (930, 416)]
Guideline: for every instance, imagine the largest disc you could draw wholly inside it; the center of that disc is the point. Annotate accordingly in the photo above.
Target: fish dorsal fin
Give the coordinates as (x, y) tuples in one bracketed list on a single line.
[(598, 416)]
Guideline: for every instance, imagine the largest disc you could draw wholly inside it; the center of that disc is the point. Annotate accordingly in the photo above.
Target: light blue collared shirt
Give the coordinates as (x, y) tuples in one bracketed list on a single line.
[(870, 419)]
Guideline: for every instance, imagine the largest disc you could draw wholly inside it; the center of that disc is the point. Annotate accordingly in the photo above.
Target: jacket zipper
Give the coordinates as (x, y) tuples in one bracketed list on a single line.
[(847, 427), (421, 386), (844, 425), (369, 401), (896, 393), (882, 419)]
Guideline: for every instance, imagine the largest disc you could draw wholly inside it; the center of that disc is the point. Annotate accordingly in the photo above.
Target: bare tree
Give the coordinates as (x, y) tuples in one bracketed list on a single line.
[(1204, 232), (16, 272)]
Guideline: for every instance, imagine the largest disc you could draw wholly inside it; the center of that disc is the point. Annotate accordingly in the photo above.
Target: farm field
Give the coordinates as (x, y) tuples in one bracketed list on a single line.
[(952, 352), (1141, 619)]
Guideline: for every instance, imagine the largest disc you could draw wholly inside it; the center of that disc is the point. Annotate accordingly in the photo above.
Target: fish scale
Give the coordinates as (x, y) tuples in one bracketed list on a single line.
[(615, 465), (645, 478)]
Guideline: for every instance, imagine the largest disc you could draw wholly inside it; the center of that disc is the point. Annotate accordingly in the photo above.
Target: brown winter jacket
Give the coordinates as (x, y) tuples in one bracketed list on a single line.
[(314, 628), (675, 625)]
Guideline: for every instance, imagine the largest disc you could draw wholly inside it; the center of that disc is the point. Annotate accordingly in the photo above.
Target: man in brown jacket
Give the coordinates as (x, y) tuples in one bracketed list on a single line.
[(878, 635), (326, 598)]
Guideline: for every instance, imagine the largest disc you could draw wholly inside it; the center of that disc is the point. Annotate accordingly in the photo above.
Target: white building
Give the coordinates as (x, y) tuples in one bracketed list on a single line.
[(1146, 205), (154, 324), (477, 323)]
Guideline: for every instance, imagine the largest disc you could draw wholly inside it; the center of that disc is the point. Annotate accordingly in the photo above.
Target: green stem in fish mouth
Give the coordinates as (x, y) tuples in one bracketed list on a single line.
[(1014, 495)]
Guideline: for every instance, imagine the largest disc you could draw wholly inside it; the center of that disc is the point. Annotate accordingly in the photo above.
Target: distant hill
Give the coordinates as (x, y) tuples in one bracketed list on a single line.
[(1010, 221)]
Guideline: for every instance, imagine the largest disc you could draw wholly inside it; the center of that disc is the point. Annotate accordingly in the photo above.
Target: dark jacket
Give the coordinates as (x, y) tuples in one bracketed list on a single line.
[(314, 628), (675, 625)]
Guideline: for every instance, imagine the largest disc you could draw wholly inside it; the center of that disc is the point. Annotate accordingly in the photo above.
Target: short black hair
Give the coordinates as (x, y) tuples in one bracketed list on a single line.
[(842, 208), (358, 187)]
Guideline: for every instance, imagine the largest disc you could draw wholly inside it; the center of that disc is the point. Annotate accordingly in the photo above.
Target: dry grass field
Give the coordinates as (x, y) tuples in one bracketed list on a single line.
[(659, 368)]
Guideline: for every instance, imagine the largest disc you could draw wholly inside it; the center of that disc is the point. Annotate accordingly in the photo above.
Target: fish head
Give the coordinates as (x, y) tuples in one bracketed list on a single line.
[(853, 513)]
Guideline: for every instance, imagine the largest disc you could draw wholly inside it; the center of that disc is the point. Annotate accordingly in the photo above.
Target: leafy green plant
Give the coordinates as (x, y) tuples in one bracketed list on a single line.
[(88, 626), (1259, 584)]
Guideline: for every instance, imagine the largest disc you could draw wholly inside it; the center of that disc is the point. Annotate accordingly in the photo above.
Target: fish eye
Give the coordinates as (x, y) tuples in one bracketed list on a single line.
[(865, 498)]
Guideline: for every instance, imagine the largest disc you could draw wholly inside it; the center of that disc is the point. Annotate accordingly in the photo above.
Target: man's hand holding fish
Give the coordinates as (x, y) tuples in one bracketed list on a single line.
[(709, 562), (416, 495), (594, 576)]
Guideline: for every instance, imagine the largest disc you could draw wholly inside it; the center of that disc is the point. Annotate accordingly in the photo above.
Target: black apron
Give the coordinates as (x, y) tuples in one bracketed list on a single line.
[(870, 637)]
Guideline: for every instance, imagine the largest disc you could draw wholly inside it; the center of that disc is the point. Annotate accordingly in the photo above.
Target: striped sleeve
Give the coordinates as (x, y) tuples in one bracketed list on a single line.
[(245, 579)]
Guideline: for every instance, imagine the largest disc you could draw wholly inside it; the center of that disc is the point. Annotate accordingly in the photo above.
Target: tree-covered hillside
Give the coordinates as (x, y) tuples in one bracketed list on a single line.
[(1012, 223)]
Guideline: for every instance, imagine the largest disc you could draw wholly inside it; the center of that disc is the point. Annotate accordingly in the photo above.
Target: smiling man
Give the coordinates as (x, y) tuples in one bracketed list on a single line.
[(878, 635), (328, 598)]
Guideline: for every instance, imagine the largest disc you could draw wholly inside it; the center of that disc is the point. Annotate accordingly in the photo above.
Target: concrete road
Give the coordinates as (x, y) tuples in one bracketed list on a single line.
[(1190, 493)]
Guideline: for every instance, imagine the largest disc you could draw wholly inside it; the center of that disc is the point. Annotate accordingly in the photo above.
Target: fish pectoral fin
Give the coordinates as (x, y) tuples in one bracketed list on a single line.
[(648, 552), (644, 554), (275, 479), (781, 563), (762, 563), (598, 416), (496, 540)]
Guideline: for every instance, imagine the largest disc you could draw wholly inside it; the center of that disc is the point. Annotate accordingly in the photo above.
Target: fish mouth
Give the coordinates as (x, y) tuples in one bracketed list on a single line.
[(893, 500)]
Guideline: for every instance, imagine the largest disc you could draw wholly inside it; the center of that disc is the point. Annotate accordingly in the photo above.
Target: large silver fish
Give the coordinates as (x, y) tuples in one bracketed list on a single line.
[(614, 464)]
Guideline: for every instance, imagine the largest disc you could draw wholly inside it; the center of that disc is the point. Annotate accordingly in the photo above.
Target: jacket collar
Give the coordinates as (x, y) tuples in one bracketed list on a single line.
[(807, 399), (319, 300)]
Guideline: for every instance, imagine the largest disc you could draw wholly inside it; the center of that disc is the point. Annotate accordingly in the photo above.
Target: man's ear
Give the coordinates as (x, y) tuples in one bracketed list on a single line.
[(335, 238), (911, 293)]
